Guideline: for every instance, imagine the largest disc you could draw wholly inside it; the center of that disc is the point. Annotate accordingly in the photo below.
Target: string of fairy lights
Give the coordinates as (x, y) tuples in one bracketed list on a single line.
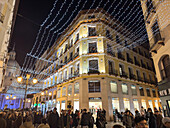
[(132, 37)]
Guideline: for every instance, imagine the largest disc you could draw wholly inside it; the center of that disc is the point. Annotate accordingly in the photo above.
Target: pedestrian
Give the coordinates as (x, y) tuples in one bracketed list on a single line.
[(76, 119), (117, 126), (44, 124), (3, 123), (166, 122), (141, 122), (137, 114), (91, 124), (54, 119), (27, 123), (142, 111), (152, 119), (158, 119), (127, 119), (18, 121), (85, 119)]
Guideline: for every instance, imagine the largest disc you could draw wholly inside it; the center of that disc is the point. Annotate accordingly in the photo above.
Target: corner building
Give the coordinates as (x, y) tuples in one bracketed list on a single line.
[(89, 69), (156, 16)]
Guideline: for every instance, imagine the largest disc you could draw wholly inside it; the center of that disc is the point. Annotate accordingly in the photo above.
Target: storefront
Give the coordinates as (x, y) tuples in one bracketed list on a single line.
[(95, 104), (115, 104)]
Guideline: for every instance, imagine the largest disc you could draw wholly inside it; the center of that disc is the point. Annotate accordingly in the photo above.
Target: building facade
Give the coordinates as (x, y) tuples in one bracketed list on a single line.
[(6, 16), (92, 68), (156, 14)]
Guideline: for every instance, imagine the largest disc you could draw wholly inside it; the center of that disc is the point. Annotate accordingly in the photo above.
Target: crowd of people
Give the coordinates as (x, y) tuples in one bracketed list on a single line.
[(83, 119), (67, 119), (142, 119)]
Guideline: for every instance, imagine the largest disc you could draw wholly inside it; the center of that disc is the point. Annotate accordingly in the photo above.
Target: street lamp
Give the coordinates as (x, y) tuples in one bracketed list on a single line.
[(20, 79)]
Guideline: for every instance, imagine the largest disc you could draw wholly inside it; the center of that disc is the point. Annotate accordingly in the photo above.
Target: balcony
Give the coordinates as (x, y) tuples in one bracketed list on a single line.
[(139, 79), (130, 60), (1, 17), (76, 55), (137, 63), (120, 56), (113, 72), (111, 53), (143, 66), (132, 76), (70, 59), (92, 71), (124, 74)]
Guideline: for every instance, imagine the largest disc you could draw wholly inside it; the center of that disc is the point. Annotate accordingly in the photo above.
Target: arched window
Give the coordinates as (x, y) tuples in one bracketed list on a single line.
[(69, 89), (165, 67), (64, 91)]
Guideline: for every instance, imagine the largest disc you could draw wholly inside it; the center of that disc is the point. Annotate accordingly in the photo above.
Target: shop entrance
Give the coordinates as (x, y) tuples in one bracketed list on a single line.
[(94, 105)]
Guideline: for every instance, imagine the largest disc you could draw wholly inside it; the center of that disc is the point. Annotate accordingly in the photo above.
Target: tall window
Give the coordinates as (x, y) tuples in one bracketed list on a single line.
[(93, 47), (134, 91), (71, 72), (156, 32), (71, 42), (130, 72), (148, 92), (94, 86), (149, 6), (92, 31), (64, 91), (110, 67), (113, 86), (138, 74), (69, 89), (124, 88), (93, 65), (65, 74), (154, 92), (141, 91), (165, 70), (58, 92), (77, 37), (144, 76), (121, 69), (76, 88)]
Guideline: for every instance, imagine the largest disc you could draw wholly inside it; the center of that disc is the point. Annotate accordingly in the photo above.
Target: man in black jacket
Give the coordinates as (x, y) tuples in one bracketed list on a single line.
[(53, 119), (85, 119)]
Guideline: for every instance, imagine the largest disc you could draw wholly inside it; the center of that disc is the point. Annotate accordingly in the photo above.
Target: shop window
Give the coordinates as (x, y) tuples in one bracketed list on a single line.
[(136, 104), (144, 103), (115, 104), (126, 103), (134, 91), (156, 104), (154, 92), (148, 92), (64, 91), (63, 105), (69, 89), (76, 88), (94, 86), (150, 104), (113, 86), (93, 47), (124, 88), (141, 91)]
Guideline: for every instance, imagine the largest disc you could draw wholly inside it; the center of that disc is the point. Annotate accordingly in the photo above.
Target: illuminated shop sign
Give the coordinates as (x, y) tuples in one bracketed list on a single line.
[(164, 92)]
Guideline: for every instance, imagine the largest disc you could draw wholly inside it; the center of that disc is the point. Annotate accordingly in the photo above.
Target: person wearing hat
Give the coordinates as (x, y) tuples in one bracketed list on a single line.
[(140, 122), (166, 122), (158, 119)]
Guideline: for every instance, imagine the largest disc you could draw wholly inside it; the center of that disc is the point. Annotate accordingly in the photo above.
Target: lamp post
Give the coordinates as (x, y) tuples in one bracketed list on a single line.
[(20, 79)]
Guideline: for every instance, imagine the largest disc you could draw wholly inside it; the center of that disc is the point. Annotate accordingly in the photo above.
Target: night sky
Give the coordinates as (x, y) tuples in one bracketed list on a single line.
[(32, 13)]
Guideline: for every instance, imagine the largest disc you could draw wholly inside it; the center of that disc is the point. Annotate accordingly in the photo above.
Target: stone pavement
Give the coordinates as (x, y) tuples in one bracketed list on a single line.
[(110, 124)]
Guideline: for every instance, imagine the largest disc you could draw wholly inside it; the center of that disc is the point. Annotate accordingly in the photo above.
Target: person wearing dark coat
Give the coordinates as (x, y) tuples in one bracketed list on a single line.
[(158, 119), (3, 123), (85, 119), (127, 119), (18, 121), (53, 119), (152, 119), (76, 119)]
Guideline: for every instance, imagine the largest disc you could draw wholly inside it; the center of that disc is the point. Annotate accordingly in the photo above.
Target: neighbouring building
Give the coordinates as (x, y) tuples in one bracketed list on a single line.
[(7, 10), (156, 16), (93, 65)]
